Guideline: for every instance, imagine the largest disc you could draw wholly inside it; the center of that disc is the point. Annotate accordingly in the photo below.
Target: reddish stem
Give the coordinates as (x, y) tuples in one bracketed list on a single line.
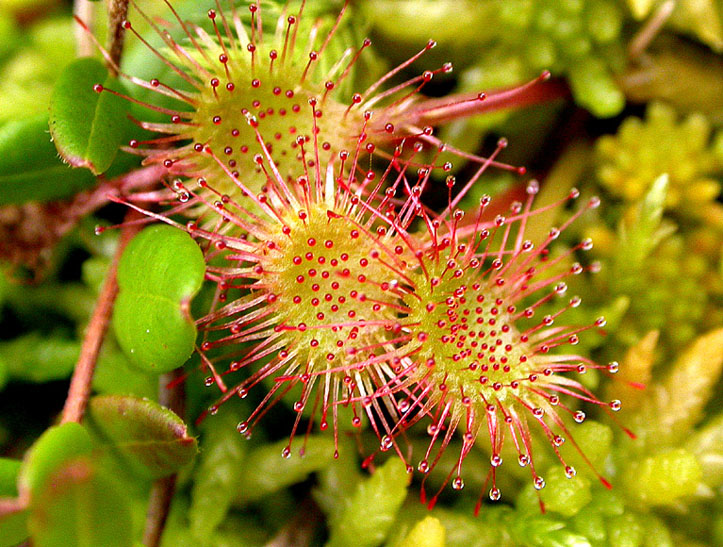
[(117, 14), (83, 375), (171, 395)]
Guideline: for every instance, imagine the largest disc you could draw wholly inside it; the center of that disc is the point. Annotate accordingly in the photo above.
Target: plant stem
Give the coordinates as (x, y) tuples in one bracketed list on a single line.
[(650, 30), (163, 489), (85, 10), (117, 13), (97, 327)]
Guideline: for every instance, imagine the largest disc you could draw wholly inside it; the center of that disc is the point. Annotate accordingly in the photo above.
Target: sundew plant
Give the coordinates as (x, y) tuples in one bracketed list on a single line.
[(361, 272)]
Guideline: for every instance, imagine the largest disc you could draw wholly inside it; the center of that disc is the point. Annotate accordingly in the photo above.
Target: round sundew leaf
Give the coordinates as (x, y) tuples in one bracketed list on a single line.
[(144, 436), (54, 447), (87, 126), (158, 275), (30, 169), (79, 506)]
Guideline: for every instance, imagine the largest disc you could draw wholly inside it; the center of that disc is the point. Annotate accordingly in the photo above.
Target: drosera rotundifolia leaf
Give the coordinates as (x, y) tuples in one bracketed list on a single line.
[(86, 125), (159, 273), (141, 434)]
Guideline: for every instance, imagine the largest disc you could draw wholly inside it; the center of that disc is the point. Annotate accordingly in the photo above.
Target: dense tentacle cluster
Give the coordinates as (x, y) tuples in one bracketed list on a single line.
[(327, 289), (474, 358)]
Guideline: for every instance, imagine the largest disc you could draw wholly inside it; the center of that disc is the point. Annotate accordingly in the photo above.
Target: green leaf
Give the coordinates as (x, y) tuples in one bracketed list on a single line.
[(13, 527), (9, 470), (39, 358), (218, 474), (371, 511), (30, 169), (87, 126), (141, 434), (54, 447), (79, 507), (158, 275), (266, 471)]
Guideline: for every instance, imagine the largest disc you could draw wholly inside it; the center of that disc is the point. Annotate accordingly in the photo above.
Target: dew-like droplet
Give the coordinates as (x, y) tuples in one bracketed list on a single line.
[(570, 472), (539, 483), (496, 460), (423, 466), (208, 381), (495, 494), (579, 416), (286, 453), (613, 367), (386, 443), (458, 483), (523, 460), (242, 427), (615, 405)]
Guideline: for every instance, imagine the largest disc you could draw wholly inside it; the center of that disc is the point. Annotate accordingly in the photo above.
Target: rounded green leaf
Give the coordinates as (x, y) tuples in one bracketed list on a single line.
[(87, 126), (80, 507), (30, 169), (144, 436), (158, 275), (54, 447)]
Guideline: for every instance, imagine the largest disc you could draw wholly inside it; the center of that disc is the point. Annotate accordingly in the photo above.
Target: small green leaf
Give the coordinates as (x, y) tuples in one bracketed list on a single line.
[(79, 507), (87, 126), (370, 514), (9, 470), (30, 169), (54, 447), (143, 435), (159, 273), (13, 526), (34, 357), (219, 472), (266, 471)]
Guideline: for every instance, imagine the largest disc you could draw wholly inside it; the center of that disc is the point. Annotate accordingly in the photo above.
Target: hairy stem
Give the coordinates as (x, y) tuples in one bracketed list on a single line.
[(171, 395), (83, 375), (84, 10), (117, 13)]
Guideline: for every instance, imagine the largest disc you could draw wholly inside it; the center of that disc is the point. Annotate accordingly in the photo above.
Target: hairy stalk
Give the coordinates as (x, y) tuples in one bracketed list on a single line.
[(650, 30), (117, 14), (83, 375), (84, 9), (170, 395)]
